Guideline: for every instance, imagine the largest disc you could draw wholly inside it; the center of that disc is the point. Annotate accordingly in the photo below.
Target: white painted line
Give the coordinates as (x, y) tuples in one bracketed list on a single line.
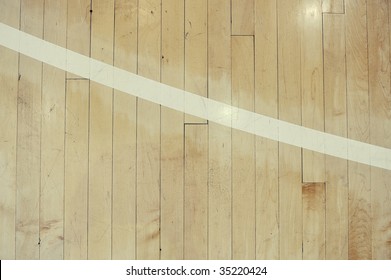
[(193, 104)]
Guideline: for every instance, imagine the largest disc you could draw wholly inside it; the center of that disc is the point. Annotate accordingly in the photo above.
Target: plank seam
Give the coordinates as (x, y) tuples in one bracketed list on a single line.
[(347, 133), (255, 138), (160, 133), (112, 132), (40, 140), (242, 35), (208, 154), (184, 138), (65, 152), (369, 127), (136, 148), (65, 132), (196, 123), (17, 134), (278, 116), (89, 132), (333, 13), (76, 79), (218, 112)]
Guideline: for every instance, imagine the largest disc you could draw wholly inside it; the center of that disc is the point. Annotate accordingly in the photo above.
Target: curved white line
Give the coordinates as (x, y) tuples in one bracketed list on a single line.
[(193, 104)]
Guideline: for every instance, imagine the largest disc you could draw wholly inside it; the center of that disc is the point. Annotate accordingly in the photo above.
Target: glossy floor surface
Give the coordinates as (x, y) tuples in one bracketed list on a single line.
[(88, 172)]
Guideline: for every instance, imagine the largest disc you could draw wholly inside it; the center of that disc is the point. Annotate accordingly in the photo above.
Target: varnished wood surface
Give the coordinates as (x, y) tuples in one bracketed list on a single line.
[(88, 172)]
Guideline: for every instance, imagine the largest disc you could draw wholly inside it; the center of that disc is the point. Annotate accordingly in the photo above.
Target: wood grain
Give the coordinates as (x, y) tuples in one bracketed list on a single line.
[(148, 134), (380, 125), (333, 6), (360, 227), (289, 159), (29, 139), (243, 151), (335, 123), (100, 137), (314, 224), (219, 88), (242, 17), (91, 172), (196, 193), (196, 51), (10, 15), (172, 132), (79, 28), (124, 136), (266, 102), (52, 142), (312, 85), (76, 170)]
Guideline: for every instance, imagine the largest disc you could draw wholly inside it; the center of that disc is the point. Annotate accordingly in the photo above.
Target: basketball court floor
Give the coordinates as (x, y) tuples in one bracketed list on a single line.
[(275, 145)]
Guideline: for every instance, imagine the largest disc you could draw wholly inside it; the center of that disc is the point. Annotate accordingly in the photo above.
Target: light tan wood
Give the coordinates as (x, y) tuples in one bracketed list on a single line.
[(76, 170), (52, 142), (124, 136), (312, 85), (335, 123), (90, 172), (242, 17), (266, 102), (314, 223), (380, 125), (100, 137), (79, 28), (243, 151), (148, 134), (360, 226), (196, 192), (29, 138), (196, 51), (124, 177), (9, 14), (290, 173), (172, 133), (219, 88), (333, 6), (100, 173)]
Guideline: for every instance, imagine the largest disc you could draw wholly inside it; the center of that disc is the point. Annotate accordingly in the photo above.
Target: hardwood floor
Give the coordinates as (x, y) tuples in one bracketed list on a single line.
[(90, 172)]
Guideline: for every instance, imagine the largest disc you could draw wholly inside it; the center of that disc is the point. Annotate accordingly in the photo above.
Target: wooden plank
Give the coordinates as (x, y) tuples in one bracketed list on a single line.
[(100, 173), (196, 51), (243, 151), (360, 246), (266, 102), (9, 14), (312, 85), (29, 138), (76, 170), (219, 88), (100, 137), (196, 192), (380, 105), (290, 202), (290, 177), (333, 6), (79, 28), (124, 136), (314, 223), (52, 142), (124, 177), (335, 123), (148, 135), (243, 17), (172, 133)]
